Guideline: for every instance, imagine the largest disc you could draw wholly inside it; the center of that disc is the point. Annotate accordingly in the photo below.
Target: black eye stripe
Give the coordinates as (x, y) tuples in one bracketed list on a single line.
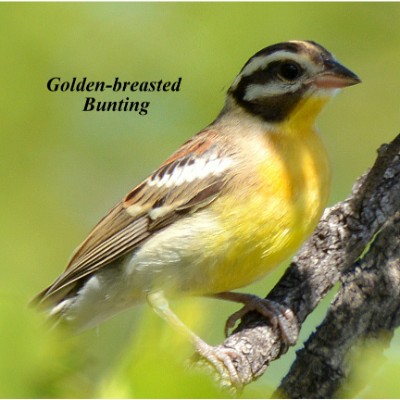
[(270, 72), (274, 80), (262, 76), (290, 71), (274, 108)]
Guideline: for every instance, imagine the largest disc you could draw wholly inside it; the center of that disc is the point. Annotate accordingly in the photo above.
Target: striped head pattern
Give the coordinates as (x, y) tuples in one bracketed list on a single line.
[(278, 77)]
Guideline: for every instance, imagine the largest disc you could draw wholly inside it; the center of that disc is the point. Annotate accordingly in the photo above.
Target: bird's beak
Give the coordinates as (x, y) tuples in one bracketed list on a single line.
[(335, 76)]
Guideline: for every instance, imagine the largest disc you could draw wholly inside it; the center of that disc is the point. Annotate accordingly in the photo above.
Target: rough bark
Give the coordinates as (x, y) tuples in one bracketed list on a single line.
[(332, 253), (366, 308)]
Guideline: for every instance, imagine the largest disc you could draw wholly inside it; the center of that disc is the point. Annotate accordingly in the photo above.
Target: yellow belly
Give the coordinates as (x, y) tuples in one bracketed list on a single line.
[(264, 226)]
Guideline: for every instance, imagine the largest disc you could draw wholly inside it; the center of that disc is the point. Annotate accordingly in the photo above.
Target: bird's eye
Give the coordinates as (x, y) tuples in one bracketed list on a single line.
[(289, 71)]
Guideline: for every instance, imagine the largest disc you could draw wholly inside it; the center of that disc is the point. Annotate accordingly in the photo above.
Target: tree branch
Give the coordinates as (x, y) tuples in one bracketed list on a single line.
[(367, 307), (340, 238)]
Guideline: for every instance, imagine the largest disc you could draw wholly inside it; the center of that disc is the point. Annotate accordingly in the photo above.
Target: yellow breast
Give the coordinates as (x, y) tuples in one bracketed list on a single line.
[(283, 201)]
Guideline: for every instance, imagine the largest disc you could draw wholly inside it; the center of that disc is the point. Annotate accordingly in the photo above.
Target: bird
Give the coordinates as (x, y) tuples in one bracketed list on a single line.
[(225, 209)]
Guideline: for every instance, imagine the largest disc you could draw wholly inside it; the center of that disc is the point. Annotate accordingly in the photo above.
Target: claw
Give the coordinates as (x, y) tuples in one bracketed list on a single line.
[(278, 315), (222, 359)]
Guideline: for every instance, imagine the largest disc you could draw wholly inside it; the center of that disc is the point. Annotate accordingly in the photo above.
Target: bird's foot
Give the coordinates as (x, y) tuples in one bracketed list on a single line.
[(278, 315), (223, 360)]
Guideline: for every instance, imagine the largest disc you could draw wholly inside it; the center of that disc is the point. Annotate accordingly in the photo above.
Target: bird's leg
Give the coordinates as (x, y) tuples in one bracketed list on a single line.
[(278, 315), (222, 359)]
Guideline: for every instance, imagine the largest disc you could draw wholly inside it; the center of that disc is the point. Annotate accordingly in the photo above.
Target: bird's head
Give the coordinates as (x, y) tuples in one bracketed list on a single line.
[(288, 80)]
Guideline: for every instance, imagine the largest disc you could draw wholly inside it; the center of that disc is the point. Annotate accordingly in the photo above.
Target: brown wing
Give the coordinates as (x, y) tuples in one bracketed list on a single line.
[(190, 179)]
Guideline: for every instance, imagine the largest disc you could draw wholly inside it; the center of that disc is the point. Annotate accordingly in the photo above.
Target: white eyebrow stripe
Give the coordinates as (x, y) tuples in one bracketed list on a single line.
[(261, 62)]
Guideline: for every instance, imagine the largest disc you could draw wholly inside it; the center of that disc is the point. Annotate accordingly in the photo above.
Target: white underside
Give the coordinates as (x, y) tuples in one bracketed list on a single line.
[(169, 261)]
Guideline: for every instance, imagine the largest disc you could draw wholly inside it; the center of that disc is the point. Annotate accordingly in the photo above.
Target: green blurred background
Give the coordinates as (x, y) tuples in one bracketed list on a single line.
[(62, 169)]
